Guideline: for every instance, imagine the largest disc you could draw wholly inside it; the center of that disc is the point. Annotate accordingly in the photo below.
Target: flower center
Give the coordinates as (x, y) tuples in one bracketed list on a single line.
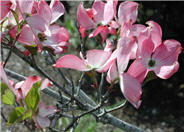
[(151, 63), (41, 37)]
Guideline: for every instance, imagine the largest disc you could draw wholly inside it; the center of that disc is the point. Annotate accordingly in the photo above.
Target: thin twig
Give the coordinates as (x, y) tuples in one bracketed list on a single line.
[(112, 109), (51, 60), (90, 111), (2, 115), (100, 88), (54, 121), (2, 54), (10, 51), (79, 84)]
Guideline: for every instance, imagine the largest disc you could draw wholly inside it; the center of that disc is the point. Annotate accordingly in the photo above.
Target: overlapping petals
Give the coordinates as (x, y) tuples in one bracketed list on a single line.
[(100, 14), (95, 59), (40, 16), (41, 118), (162, 60)]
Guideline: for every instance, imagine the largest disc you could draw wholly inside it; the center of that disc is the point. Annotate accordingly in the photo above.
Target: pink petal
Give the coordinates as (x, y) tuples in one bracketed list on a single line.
[(131, 89), (97, 58), (109, 46), (98, 7), (114, 24), (26, 35), (19, 84), (112, 31), (112, 74), (156, 33), (125, 46), (138, 70), (109, 62), (57, 9), (71, 61), (58, 34), (28, 83), (25, 6), (84, 20), (56, 48), (45, 83), (146, 49), (37, 23), (83, 32), (165, 71), (96, 31), (104, 33), (41, 122), (4, 77), (108, 11), (44, 11), (167, 53), (128, 12), (125, 29), (44, 110), (115, 3), (137, 29), (90, 12), (5, 8)]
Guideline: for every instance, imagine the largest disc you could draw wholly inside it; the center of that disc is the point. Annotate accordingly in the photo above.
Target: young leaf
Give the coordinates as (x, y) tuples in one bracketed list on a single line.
[(15, 115), (16, 16), (33, 97), (8, 97), (32, 49), (27, 114), (3, 88)]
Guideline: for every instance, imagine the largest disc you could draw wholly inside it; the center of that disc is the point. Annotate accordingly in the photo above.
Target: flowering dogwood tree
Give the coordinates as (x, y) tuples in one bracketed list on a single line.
[(128, 52)]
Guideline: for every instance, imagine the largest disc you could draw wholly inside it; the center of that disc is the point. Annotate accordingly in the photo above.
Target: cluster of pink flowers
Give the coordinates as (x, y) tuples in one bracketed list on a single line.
[(136, 42), (39, 28), (21, 90)]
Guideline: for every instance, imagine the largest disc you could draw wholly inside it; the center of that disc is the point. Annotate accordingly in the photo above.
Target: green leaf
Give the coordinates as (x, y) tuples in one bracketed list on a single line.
[(32, 49), (27, 114), (16, 114), (8, 97), (16, 16), (3, 88), (87, 124), (33, 97)]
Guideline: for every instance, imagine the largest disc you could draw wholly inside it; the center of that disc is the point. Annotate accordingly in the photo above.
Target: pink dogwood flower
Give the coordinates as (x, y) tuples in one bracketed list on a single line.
[(95, 59), (40, 16), (127, 16), (25, 86), (130, 86), (162, 59), (41, 118), (7, 19), (4, 77), (100, 16), (6, 6), (22, 88)]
